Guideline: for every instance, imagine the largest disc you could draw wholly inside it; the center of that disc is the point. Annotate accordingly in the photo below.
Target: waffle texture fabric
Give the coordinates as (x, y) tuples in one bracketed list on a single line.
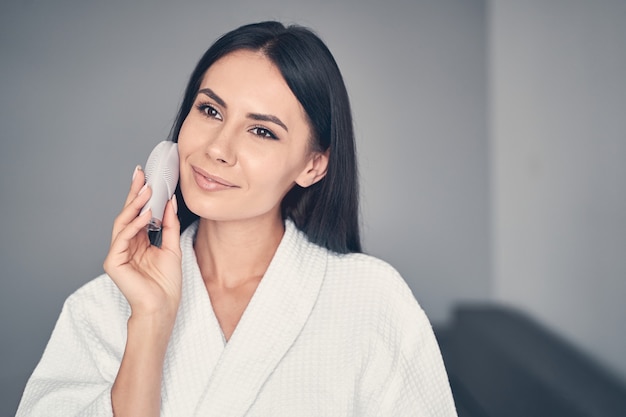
[(323, 335)]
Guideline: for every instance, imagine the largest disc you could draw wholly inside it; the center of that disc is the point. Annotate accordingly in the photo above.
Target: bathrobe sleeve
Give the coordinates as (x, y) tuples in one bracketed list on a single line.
[(417, 384), (405, 373), (77, 370)]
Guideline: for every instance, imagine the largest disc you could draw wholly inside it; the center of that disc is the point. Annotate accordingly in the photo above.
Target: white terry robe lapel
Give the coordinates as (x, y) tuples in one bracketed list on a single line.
[(274, 318), (271, 323), (196, 343)]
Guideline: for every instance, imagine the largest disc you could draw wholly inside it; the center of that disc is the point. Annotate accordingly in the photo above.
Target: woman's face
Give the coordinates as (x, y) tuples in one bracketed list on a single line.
[(245, 142)]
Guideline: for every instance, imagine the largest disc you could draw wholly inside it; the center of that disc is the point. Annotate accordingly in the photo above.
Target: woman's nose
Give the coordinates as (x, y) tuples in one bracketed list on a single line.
[(220, 147)]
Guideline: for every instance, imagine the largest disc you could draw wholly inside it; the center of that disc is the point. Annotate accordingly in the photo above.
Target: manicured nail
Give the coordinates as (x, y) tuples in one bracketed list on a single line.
[(137, 168), (175, 204), (143, 189)]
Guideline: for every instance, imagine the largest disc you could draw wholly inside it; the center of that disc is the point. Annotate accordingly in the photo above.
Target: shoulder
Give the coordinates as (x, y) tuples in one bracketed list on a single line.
[(369, 276), (375, 297), (99, 292), (362, 292), (98, 307)]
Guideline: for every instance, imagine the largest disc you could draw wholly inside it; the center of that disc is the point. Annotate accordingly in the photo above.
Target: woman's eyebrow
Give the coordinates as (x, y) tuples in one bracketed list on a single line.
[(267, 118), (211, 94), (254, 116)]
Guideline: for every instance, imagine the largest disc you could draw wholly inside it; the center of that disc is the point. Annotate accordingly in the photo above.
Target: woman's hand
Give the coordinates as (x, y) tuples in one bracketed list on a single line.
[(149, 277)]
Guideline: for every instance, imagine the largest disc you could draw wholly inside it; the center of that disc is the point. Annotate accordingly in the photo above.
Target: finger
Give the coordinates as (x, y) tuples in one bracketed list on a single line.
[(131, 210), (138, 181), (118, 252), (170, 235), (122, 240)]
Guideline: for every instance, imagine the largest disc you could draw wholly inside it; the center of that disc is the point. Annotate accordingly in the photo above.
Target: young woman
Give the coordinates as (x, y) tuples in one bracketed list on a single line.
[(263, 305)]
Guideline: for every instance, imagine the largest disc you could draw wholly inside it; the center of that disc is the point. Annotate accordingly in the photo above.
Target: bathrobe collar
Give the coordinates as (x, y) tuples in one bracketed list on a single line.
[(235, 372)]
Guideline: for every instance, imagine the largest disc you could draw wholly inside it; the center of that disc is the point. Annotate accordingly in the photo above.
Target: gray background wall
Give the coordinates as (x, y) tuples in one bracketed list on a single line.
[(558, 164), (447, 118)]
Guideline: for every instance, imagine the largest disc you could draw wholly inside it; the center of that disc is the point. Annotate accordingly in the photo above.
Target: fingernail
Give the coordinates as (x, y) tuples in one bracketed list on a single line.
[(175, 204), (137, 168), (143, 189)]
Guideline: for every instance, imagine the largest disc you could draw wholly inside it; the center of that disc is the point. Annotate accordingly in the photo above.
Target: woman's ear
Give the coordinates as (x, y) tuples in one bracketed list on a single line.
[(315, 169)]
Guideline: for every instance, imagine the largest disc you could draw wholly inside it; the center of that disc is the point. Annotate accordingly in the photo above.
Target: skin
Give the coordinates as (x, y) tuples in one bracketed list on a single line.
[(243, 146)]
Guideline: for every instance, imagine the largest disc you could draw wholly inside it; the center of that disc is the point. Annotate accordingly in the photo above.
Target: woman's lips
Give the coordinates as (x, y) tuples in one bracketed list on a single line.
[(210, 182)]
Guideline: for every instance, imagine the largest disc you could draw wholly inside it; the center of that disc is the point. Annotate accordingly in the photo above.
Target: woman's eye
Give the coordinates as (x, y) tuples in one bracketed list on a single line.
[(263, 132), (209, 111)]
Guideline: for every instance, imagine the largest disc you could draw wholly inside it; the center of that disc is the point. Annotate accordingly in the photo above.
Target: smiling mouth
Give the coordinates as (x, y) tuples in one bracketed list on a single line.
[(211, 182)]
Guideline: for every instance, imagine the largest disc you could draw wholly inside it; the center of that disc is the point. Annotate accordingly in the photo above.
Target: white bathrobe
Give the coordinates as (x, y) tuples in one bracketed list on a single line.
[(324, 335)]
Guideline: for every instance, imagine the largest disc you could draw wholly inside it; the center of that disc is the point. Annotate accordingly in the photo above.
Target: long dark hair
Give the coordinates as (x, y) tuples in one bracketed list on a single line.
[(328, 211)]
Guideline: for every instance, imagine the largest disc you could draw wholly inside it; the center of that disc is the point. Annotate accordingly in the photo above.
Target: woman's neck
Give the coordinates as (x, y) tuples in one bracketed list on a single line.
[(231, 254)]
